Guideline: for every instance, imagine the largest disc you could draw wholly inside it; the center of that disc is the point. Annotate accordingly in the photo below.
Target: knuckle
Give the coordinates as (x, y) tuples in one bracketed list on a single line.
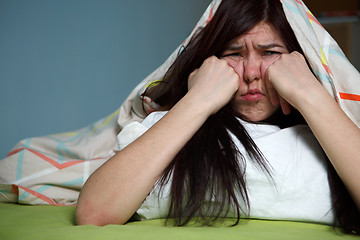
[(223, 61), (211, 59)]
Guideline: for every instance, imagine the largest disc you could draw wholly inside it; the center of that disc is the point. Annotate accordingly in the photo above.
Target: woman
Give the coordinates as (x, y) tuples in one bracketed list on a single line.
[(244, 66)]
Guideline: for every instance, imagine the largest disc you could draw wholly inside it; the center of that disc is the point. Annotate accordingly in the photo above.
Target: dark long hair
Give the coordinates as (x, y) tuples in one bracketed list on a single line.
[(207, 175)]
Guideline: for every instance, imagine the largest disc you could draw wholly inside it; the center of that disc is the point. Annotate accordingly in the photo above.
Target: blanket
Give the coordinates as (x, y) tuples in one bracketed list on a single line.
[(52, 169)]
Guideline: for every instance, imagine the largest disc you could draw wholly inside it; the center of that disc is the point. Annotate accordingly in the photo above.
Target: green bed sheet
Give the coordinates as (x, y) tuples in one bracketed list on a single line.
[(57, 222)]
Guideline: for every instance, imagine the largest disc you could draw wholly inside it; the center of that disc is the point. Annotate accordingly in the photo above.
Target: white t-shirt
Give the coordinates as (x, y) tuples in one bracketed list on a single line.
[(298, 190)]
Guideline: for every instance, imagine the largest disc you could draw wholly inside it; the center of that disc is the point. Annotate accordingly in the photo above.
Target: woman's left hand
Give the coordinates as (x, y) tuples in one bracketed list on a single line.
[(289, 81)]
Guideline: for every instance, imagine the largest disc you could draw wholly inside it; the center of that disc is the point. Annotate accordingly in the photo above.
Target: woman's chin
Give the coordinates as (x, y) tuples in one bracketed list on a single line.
[(256, 114)]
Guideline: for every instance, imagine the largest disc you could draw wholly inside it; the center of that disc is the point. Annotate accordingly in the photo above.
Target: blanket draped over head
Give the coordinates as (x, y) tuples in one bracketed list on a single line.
[(52, 169)]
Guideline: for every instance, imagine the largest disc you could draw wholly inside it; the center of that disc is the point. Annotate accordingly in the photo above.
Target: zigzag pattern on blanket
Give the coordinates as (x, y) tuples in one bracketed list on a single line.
[(52, 169)]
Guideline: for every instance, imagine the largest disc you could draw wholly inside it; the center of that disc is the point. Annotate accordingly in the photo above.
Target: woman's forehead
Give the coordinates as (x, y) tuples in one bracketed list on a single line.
[(262, 33)]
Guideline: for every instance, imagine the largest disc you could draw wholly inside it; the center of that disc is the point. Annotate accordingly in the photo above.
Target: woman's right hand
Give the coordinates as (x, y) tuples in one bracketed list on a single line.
[(213, 84), (134, 170)]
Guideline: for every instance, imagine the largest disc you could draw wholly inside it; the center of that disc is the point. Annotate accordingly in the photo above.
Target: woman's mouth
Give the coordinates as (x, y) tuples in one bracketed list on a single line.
[(252, 95)]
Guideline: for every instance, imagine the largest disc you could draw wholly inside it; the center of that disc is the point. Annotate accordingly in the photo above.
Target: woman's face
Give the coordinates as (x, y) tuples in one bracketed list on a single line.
[(250, 55)]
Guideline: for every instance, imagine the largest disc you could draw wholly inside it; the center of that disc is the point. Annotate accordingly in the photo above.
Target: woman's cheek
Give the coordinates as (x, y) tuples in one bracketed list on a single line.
[(263, 67), (232, 62), (265, 63), (238, 67), (239, 70)]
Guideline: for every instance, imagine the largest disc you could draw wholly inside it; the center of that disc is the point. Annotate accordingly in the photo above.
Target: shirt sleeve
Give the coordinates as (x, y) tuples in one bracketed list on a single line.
[(135, 129)]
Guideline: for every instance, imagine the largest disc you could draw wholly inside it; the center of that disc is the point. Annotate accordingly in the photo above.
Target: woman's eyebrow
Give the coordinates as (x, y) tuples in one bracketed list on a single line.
[(235, 47), (238, 47), (269, 46)]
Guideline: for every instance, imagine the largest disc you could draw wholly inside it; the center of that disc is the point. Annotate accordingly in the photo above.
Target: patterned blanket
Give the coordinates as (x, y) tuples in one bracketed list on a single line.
[(52, 169)]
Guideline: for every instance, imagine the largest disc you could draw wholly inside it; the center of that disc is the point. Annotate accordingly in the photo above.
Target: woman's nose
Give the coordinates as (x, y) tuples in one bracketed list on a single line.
[(252, 69)]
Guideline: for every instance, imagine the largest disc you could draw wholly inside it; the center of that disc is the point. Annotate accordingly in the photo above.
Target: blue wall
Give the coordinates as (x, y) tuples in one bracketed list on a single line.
[(67, 63)]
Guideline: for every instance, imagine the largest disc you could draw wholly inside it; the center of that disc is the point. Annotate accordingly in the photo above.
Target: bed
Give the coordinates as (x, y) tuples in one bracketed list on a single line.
[(41, 177), (19, 222)]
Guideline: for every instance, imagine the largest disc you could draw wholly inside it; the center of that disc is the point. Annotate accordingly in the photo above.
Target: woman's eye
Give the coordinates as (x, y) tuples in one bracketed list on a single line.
[(269, 53), (235, 54)]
